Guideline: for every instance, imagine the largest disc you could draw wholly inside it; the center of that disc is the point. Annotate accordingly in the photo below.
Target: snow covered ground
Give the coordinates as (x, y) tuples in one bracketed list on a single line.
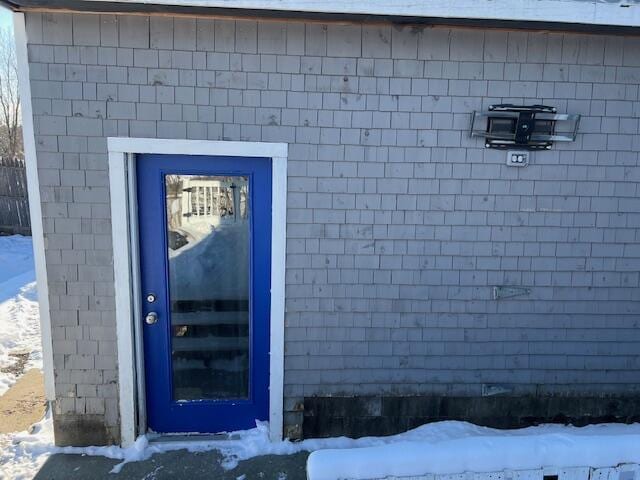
[(23, 453), (19, 320), (440, 448), (20, 348)]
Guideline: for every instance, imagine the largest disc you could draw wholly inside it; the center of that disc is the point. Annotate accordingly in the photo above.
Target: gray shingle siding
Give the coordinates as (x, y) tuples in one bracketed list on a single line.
[(399, 224)]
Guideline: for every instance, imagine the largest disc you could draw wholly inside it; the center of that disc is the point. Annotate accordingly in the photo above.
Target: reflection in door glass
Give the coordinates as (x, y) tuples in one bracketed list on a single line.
[(208, 249)]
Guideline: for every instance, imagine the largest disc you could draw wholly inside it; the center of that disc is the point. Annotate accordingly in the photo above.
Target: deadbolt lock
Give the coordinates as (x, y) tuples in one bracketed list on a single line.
[(151, 318)]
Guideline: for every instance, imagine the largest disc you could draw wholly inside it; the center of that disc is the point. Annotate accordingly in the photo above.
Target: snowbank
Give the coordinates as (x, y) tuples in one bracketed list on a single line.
[(458, 447), (19, 317)]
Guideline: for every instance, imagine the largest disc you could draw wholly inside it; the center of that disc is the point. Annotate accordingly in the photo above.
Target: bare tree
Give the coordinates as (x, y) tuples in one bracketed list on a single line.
[(10, 131)]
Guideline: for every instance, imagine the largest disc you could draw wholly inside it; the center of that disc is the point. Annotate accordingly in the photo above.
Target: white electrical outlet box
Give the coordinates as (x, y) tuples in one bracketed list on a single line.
[(517, 158)]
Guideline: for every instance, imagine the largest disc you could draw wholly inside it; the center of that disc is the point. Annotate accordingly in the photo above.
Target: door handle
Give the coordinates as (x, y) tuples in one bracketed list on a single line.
[(151, 318)]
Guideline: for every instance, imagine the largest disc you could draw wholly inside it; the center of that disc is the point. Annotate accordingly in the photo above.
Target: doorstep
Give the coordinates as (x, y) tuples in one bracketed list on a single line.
[(170, 438)]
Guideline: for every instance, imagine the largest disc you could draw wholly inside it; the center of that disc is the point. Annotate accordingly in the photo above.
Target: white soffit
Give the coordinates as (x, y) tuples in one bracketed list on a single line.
[(588, 12)]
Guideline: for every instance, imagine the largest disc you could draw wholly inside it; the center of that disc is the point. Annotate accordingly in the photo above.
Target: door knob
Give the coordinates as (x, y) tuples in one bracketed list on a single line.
[(151, 318)]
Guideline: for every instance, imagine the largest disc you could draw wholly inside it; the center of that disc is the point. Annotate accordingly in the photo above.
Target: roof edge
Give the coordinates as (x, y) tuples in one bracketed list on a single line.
[(595, 16)]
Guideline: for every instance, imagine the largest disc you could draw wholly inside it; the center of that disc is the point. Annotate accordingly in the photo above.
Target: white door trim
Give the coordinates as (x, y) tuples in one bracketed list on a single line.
[(126, 268), (35, 207)]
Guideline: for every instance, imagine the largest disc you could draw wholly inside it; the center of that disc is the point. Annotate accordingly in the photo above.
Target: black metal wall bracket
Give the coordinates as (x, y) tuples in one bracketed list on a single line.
[(532, 127)]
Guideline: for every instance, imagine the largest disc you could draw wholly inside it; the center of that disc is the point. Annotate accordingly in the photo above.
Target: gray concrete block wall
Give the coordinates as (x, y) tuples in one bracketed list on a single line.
[(399, 224)]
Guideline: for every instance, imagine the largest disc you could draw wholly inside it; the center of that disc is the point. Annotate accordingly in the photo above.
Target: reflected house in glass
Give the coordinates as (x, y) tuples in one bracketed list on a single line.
[(195, 202), (208, 285)]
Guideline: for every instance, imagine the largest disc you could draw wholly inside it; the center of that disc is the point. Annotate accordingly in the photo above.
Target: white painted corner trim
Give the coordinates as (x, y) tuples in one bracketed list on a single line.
[(126, 267), (35, 207)]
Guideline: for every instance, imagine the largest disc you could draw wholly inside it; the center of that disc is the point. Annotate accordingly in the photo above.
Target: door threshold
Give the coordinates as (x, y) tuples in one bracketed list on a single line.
[(190, 437)]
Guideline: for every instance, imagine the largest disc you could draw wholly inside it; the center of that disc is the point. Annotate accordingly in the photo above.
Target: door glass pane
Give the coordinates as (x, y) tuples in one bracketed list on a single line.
[(208, 249)]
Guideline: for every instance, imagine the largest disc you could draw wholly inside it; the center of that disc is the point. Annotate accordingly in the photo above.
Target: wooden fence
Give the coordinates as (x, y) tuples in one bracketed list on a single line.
[(14, 205)]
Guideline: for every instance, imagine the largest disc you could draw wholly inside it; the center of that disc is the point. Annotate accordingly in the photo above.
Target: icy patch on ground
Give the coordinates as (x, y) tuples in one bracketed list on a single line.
[(19, 317)]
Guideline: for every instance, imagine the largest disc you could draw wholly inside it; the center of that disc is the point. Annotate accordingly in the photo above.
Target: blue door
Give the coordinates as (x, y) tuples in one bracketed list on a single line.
[(205, 256)]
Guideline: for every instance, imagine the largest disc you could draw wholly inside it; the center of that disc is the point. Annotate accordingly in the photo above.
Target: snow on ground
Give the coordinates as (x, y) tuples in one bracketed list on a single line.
[(22, 454), (19, 334), (19, 319), (457, 447), (441, 448), (16, 257)]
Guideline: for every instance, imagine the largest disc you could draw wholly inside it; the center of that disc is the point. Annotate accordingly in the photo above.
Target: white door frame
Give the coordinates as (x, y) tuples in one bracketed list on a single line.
[(126, 266)]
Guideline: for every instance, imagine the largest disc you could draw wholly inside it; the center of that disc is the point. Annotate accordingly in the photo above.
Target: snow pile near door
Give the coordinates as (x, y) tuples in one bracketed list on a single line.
[(19, 318), (458, 447)]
